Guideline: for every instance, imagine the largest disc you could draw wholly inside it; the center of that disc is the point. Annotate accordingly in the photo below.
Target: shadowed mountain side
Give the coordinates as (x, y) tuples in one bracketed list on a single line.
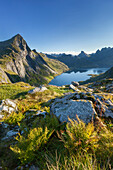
[(102, 58), (106, 75), (20, 63)]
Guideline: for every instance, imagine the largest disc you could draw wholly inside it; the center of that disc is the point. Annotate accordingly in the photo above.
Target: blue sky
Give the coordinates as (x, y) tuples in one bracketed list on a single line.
[(59, 25)]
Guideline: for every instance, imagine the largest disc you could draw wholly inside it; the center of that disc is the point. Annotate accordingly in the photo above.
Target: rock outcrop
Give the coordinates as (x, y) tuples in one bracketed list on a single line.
[(8, 106), (82, 108), (20, 63), (37, 89), (83, 104)]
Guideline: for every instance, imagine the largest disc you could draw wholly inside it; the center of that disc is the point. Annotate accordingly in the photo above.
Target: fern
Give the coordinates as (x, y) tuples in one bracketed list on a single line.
[(28, 147), (79, 137)]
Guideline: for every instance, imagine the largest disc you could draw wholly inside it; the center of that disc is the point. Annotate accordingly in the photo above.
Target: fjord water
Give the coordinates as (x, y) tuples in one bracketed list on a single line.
[(76, 75)]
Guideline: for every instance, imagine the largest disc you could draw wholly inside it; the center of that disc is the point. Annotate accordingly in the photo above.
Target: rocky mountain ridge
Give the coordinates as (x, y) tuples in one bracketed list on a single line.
[(102, 58), (19, 63)]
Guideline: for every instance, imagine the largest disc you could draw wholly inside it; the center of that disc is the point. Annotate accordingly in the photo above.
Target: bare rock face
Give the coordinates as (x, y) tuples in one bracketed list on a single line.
[(84, 105), (3, 77), (7, 106), (24, 64), (37, 89), (82, 108)]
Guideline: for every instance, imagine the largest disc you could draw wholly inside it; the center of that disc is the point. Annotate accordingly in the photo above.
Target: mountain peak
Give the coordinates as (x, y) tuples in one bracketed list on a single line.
[(82, 54), (18, 37), (19, 41)]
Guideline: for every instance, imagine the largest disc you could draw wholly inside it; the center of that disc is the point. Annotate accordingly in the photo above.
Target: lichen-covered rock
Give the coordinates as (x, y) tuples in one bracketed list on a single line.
[(8, 106), (37, 89), (83, 104), (82, 108)]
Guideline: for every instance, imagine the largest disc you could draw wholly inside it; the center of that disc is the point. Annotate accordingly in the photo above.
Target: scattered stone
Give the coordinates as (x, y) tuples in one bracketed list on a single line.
[(37, 89), (74, 83), (8, 106), (74, 88), (39, 112), (9, 102), (10, 134)]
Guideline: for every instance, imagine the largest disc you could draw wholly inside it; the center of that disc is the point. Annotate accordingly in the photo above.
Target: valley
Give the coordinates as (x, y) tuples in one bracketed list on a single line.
[(61, 125), (19, 63)]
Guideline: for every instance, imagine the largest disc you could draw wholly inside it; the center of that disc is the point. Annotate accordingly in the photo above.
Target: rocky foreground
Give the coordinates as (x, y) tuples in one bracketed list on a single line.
[(92, 102)]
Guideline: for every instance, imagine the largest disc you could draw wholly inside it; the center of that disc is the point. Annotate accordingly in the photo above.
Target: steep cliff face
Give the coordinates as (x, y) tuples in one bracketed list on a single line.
[(20, 63), (3, 77)]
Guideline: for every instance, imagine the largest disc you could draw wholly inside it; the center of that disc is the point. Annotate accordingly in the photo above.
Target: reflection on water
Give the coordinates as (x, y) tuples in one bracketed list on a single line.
[(76, 75)]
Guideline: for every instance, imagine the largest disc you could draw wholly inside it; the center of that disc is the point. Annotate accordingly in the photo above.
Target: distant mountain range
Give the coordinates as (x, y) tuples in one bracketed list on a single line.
[(19, 63), (102, 58)]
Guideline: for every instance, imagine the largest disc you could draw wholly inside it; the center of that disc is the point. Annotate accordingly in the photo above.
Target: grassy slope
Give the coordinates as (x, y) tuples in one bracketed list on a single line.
[(56, 65), (36, 68), (13, 91), (80, 147), (42, 77)]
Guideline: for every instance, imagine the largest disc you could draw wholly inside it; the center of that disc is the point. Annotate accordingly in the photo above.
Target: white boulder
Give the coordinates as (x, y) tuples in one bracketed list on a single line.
[(37, 89), (74, 88), (8, 106), (82, 108)]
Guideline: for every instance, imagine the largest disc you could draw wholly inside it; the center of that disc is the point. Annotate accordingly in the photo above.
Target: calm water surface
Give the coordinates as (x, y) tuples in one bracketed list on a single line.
[(81, 75)]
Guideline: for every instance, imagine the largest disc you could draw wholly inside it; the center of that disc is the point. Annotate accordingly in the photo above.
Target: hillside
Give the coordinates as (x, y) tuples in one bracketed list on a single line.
[(19, 63), (56, 129), (108, 74)]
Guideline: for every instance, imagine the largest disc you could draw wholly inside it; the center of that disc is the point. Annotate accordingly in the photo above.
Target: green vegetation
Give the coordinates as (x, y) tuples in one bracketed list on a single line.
[(48, 144), (14, 118), (19, 63), (14, 91), (56, 65)]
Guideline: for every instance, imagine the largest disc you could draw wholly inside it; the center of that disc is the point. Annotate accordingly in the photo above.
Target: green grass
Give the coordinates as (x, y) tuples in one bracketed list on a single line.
[(14, 91), (56, 65), (46, 142)]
